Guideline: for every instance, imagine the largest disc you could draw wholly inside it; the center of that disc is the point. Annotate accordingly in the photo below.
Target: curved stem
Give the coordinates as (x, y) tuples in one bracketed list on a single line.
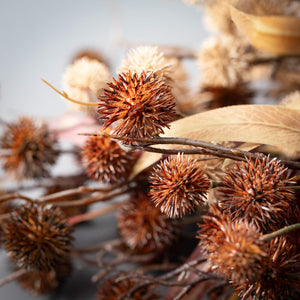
[(281, 231)]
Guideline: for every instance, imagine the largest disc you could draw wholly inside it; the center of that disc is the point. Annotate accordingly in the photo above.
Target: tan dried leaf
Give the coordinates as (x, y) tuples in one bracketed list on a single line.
[(278, 35), (259, 124)]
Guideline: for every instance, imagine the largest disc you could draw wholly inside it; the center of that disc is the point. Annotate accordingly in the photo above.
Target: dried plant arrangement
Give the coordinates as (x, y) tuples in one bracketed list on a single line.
[(204, 182)]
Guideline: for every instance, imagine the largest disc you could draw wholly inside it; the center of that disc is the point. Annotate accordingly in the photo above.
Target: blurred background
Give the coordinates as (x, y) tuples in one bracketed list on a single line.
[(39, 39)]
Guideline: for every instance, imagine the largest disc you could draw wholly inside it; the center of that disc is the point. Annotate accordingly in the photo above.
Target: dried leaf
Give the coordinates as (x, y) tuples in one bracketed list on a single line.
[(279, 35), (259, 124)]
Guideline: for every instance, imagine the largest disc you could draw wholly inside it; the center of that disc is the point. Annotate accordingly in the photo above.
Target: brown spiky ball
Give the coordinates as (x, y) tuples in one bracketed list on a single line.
[(178, 186), (37, 237), (30, 149), (140, 105)]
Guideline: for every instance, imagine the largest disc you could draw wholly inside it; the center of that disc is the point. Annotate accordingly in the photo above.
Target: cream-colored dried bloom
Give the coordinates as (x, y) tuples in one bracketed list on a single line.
[(84, 79), (148, 59), (224, 61)]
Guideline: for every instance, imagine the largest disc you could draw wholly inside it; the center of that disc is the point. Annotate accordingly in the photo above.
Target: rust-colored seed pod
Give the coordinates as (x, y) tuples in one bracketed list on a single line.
[(105, 161), (37, 237), (178, 186), (235, 249), (141, 104), (31, 149), (113, 288), (258, 191), (144, 228)]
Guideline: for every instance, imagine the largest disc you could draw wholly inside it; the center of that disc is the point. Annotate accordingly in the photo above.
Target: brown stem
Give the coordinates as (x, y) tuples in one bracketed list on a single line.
[(13, 276), (93, 214), (13, 196)]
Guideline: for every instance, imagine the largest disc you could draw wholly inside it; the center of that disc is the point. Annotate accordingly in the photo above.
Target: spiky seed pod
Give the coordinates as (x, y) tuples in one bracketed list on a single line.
[(142, 105), (113, 288), (41, 283), (258, 191), (144, 228), (84, 79), (105, 160), (31, 149), (280, 277), (178, 186), (37, 237), (235, 249)]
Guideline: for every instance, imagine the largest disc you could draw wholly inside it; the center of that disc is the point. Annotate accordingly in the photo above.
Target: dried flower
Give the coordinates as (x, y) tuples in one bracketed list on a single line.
[(258, 191), (142, 105), (224, 61), (280, 277), (37, 237), (113, 288), (148, 59), (178, 186), (84, 79), (31, 149), (41, 283), (143, 228), (235, 249), (105, 160)]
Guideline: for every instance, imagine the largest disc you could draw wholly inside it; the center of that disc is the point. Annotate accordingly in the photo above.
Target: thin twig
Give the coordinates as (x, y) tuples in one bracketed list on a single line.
[(281, 231), (13, 276), (94, 214)]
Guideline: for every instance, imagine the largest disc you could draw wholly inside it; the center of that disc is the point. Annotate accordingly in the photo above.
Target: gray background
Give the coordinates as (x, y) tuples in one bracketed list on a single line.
[(38, 38)]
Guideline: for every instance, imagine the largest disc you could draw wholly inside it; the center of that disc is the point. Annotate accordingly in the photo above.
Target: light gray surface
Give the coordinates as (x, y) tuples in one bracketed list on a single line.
[(38, 39)]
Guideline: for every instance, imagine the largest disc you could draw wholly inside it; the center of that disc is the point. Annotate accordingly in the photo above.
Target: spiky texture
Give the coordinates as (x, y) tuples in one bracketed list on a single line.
[(41, 283), (280, 277), (178, 186), (37, 237), (258, 191), (144, 228), (113, 288), (235, 249), (31, 149), (141, 104), (105, 161)]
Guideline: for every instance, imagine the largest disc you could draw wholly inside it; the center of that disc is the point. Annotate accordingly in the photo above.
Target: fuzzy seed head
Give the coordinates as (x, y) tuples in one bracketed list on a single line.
[(143, 228), (84, 79), (178, 186), (258, 191), (148, 59), (105, 160), (113, 288), (141, 104), (31, 149), (235, 249), (280, 277), (37, 237)]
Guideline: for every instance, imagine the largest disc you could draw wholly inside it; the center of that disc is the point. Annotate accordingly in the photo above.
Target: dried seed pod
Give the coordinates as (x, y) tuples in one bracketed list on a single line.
[(235, 249), (178, 186), (105, 160), (113, 288), (143, 228), (84, 79), (45, 282), (258, 191), (31, 149), (37, 237), (141, 104), (280, 277)]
